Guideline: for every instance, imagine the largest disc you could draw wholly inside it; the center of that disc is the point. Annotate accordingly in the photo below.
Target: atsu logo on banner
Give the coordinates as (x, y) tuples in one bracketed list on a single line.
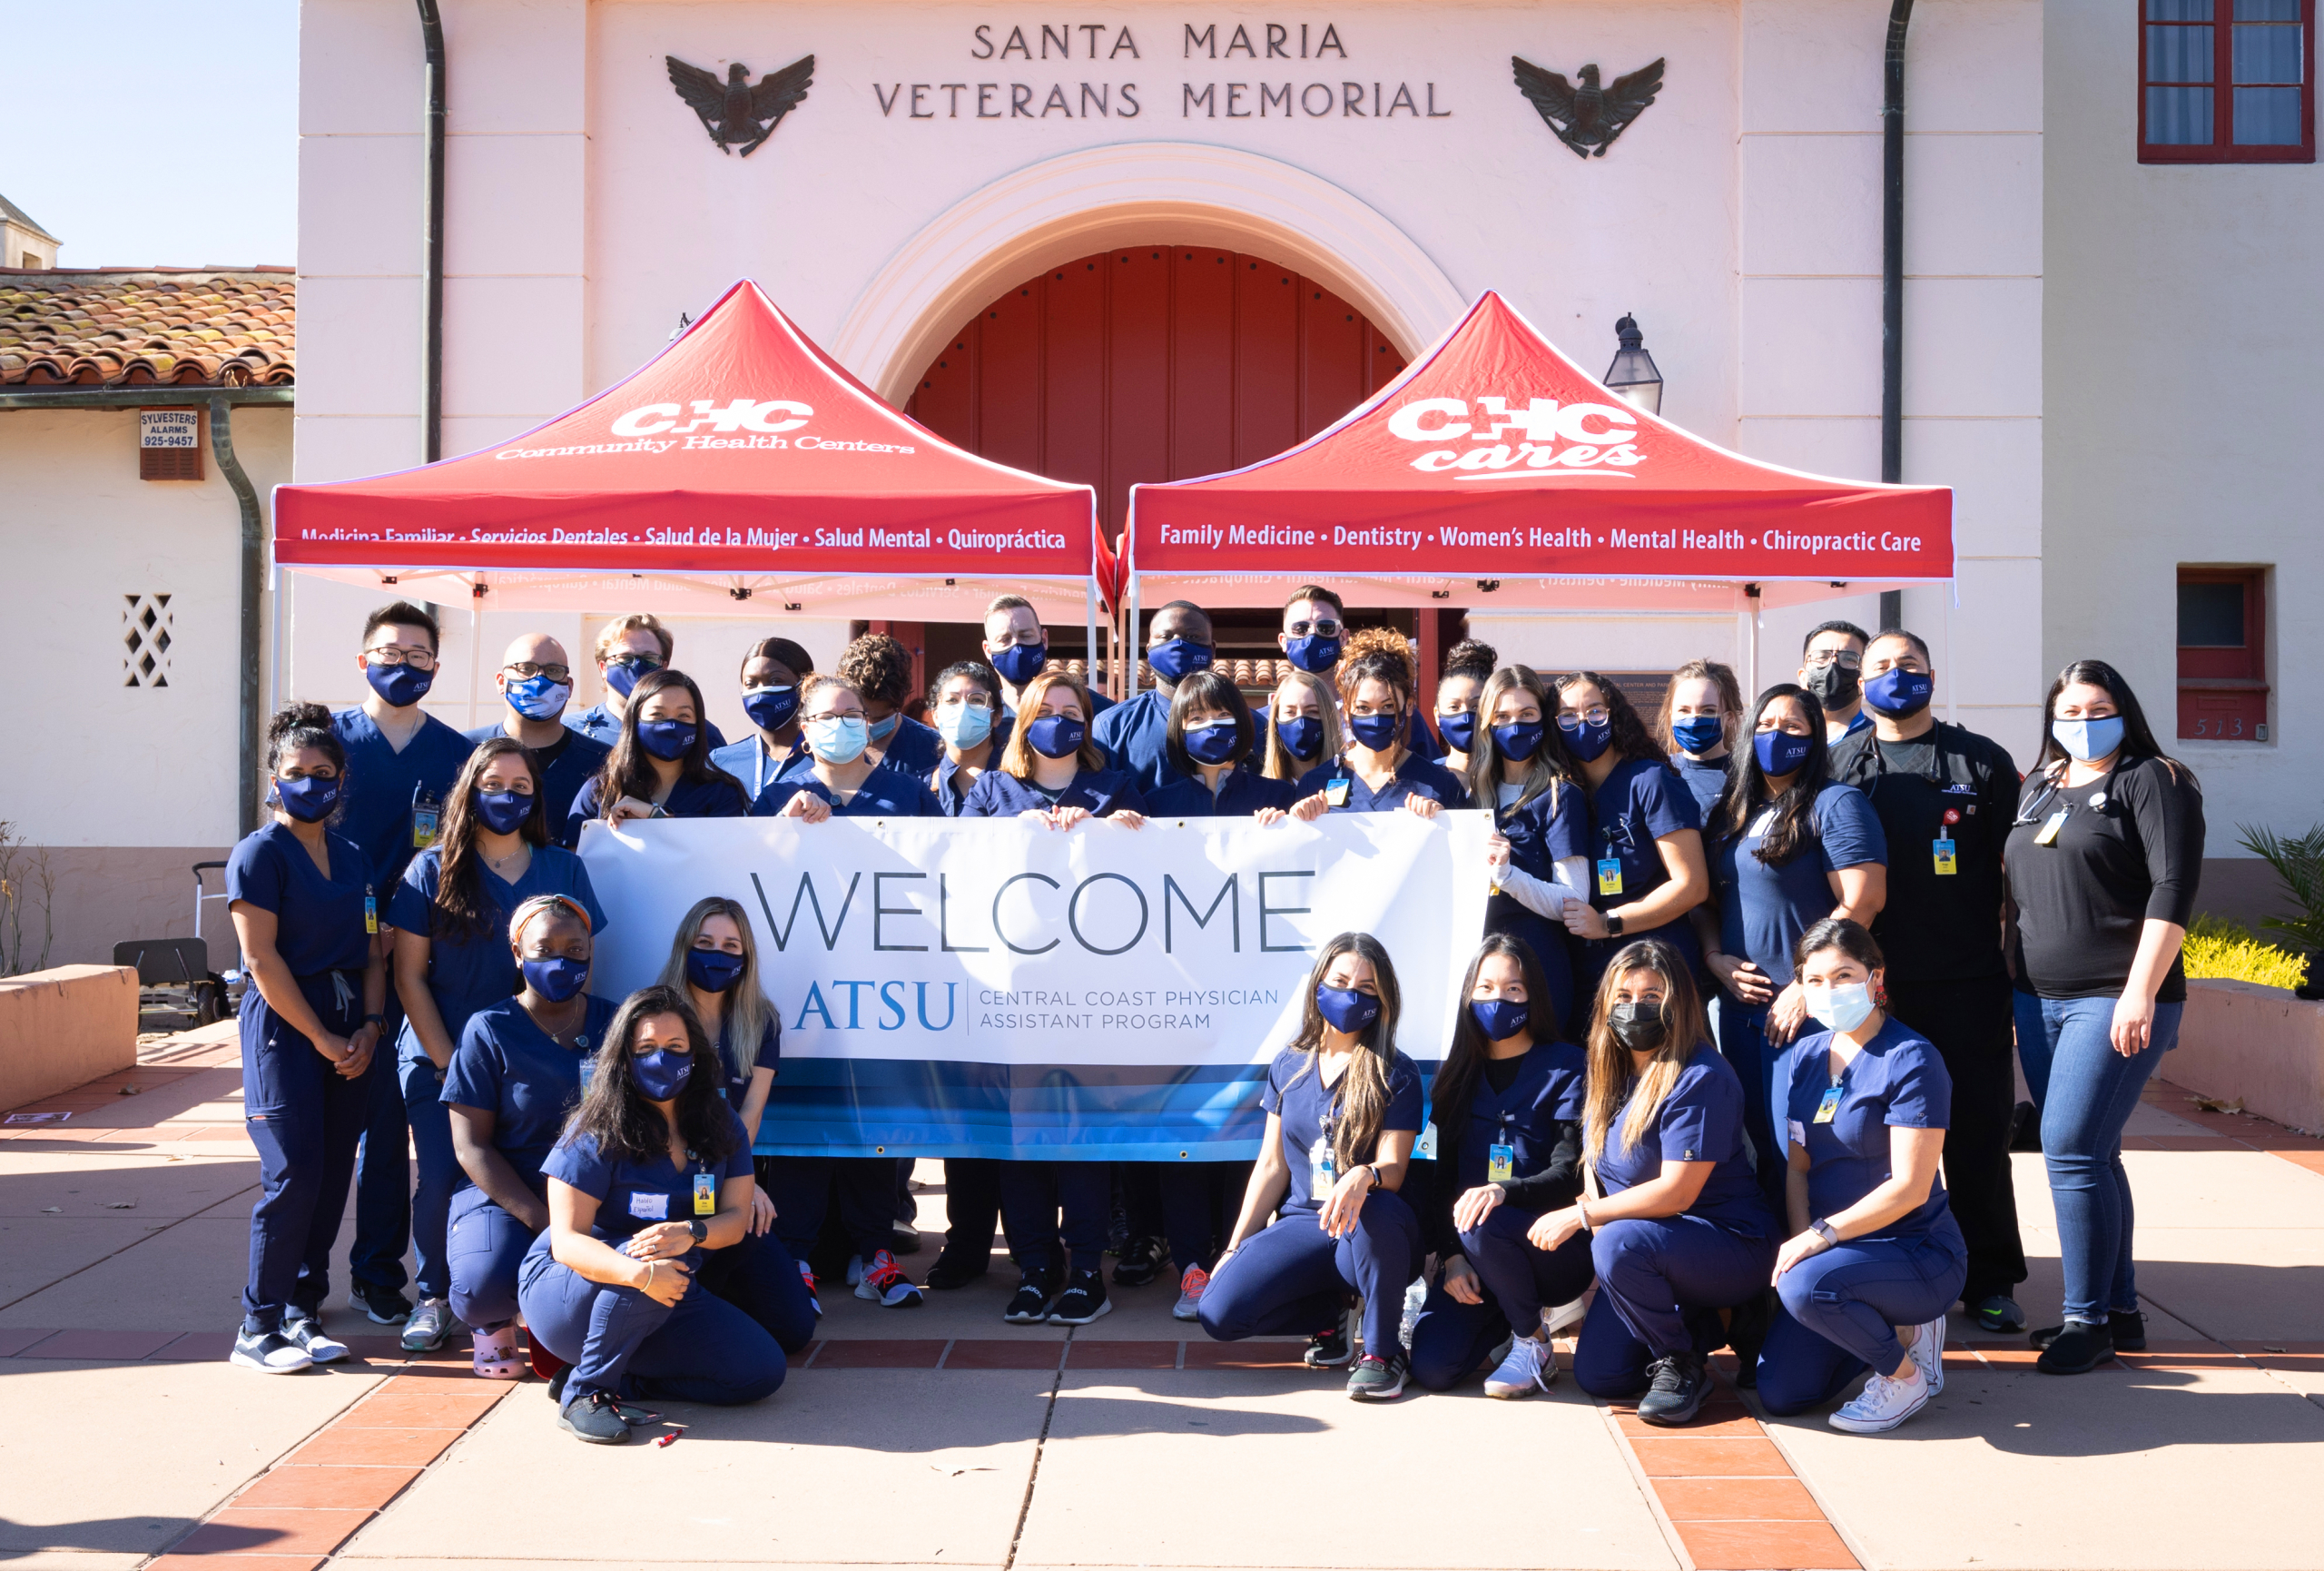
[(742, 414), (1547, 434)]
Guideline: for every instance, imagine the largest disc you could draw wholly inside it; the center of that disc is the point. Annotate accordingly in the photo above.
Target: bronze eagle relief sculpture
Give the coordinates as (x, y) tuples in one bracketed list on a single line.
[(1588, 117), (737, 112)]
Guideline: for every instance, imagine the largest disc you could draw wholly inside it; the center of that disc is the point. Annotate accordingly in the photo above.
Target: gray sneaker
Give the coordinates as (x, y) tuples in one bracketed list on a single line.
[(1377, 1379), (429, 1327), (595, 1417), (308, 1332)]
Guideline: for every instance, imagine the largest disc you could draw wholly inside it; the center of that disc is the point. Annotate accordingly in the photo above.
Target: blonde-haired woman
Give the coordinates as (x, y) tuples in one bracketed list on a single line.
[(1680, 1231), (715, 964), (1302, 726), (1539, 855), (1052, 769), (1701, 721), (1344, 1109)]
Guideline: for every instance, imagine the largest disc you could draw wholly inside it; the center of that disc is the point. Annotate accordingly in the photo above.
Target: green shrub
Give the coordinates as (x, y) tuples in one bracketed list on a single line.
[(2226, 950)]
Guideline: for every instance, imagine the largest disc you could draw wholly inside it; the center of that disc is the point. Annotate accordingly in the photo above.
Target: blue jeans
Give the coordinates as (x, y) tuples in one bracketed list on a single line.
[(2033, 1045), (2091, 1092), (439, 1171), (1841, 1310)]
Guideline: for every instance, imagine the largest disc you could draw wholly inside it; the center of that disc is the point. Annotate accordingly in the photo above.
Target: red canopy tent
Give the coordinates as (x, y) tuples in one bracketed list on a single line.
[(1496, 473), (740, 463)]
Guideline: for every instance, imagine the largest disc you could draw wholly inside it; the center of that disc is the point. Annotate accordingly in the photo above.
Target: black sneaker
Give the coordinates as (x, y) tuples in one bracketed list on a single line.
[(595, 1417), (952, 1270), (1747, 1333), (2126, 1328), (1030, 1307), (903, 1238), (1083, 1300), (557, 1385), (269, 1353), (1682, 1382), (2076, 1350), (386, 1306), (1140, 1263), (1377, 1379), (1330, 1349), (1998, 1312), (2024, 1128)]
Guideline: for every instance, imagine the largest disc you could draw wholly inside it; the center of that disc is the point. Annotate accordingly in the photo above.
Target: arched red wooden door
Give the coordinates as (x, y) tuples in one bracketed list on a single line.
[(1152, 363)]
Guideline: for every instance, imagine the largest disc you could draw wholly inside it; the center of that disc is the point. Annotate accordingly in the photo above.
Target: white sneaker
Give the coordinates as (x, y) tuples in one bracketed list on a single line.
[(429, 1327), (1884, 1404), (309, 1333), (1415, 1301), (1530, 1367), (269, 1353), (1929, 1353), (1558, 1320)]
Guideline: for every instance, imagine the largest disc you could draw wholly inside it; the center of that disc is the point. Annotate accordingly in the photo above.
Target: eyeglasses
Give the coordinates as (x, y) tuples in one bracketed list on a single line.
[(389, 655), (528, 668), (1321, 629), (643, 662), (1845, 659), (1571, 721)]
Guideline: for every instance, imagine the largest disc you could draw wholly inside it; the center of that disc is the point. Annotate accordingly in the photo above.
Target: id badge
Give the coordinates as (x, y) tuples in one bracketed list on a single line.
[(2048, 835), (1335, 791), (1322, 1168), (370, 914), (1610, 875), (1942, 846), (1424, 1148), (649, 1206), (705, 1194), (1500, 1163), (423, 827), (1829, 1107)]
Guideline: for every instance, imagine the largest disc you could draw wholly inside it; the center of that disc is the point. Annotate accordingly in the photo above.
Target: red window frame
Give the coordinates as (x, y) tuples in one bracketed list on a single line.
[(2223, 691), (2222, 148)]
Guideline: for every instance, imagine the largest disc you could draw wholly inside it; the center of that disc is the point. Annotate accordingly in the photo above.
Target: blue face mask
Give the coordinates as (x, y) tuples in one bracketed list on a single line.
[(1303, 735), (1519, 740), (399, 685), (1377, 732), (1055, 735), (308, 799), (537, 698), (1212, 744), (1021, 663), (623, 672), (1175, 659), (884, 729), (1345, 1008), (555, 980), (1501, 1018), (964, 725), (504, 812), (713, 970), (1780, 752), (1586, 741), (1699, 734), (839, 739), (1897, 693), (770, 708), (1313, 654), (1459, 731), (667, 739), (2088, 741), (662, 1073)]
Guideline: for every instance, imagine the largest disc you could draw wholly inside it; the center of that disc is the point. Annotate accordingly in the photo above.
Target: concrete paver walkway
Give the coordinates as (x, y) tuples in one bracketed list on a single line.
[(944, 1437)]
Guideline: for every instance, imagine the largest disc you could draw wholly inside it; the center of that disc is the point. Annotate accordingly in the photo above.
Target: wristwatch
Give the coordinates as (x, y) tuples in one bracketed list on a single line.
[(1824, 1230), (1613, 926), (378, 1020), (698, 1227)]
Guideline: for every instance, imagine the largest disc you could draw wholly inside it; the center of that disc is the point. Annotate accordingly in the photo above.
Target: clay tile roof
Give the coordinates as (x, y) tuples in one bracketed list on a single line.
[(144, 327)]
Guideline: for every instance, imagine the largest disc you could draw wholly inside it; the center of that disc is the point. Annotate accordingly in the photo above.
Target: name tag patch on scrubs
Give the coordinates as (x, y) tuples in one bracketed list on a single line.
[(705, 1194), (1501, 1162), (1828, 1108), (1335, 791), (1610, 875), (650, 1208), (2048, 833)]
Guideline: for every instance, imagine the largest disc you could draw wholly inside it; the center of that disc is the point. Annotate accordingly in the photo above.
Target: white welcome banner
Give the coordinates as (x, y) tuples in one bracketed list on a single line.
[(995, 987)]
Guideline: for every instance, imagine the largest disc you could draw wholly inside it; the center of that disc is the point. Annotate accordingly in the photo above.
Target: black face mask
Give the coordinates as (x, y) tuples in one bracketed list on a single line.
[(1835, 686), (1636, 1026)]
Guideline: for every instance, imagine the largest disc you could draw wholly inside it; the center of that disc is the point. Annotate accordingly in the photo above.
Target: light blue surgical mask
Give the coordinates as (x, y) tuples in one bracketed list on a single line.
[(964, 725), (884, 729), (838, 739), (1841, 1008), (2088, 741), (537, 698)]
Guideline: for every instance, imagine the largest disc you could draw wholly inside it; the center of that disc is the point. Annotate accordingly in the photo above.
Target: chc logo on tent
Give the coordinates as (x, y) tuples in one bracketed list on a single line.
[(1592, 435), (742, 414)]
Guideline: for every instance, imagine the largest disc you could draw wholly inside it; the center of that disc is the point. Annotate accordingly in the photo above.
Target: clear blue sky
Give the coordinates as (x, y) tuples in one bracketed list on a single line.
[(155, 131)]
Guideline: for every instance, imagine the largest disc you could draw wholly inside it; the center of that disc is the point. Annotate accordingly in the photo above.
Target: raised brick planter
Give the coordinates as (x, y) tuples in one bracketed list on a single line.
[(2261, 1044), (64, 1027)]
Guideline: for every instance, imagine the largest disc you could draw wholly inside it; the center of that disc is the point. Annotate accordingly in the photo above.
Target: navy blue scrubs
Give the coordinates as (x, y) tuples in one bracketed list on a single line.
[(1841, 1308), (720, 796), (570, 763), (464, 975), (507, 1066), (1133, 733), (1294, 1278), (750, 761), (602, 726), (886, 793), (912, 747), (619, 1340), (759, 1275), (303, 1116), (1541, 833), (1641, 801), (998, 794), (1241, 793), (1661, 1281), (769, 1056), (1415, 777), (951, 787), (1704, 780), (1762, 912)]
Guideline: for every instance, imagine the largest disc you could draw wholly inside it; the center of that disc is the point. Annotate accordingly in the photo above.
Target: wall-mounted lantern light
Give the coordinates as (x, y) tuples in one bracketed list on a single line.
[(1632, 377)]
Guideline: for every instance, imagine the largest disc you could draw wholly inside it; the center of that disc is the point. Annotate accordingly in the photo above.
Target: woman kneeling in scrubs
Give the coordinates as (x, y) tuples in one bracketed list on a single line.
[(1507, 1107), (1343, 1108), (516, 1076), (304, 911), (661, 767), (1875, 1259), (651, 1171), (1682, 1231)]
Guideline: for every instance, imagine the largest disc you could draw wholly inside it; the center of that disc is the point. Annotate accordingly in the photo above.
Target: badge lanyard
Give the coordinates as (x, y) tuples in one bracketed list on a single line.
[(1322, 1165)]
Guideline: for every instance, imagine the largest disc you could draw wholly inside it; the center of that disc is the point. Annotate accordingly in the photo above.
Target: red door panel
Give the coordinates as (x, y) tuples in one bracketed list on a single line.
[(1266, 361), (1137, 379)]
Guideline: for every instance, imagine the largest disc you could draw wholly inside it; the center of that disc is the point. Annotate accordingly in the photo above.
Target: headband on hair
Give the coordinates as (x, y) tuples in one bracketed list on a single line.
[(539, 903)]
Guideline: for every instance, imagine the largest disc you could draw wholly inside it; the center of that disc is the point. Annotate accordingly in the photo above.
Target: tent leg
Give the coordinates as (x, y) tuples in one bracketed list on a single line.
[(1951, 593), (278, 657), (1089, 630), (1130, 644), (476, 647)]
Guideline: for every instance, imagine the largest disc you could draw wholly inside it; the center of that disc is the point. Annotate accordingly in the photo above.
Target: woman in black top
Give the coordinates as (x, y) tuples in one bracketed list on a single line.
[(2103, 861)]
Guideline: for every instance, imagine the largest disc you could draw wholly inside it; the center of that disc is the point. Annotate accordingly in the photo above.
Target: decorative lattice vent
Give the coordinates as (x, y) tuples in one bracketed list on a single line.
[(145, 640)]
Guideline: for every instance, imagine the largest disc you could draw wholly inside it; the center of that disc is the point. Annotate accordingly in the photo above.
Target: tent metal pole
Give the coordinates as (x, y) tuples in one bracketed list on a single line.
[(1130, 643), (475, 646), (1089, 631), (1951, 593)]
